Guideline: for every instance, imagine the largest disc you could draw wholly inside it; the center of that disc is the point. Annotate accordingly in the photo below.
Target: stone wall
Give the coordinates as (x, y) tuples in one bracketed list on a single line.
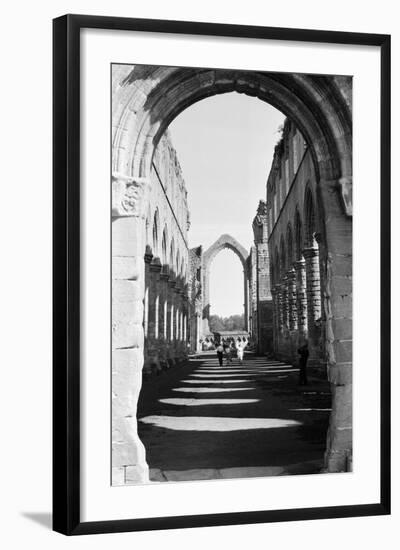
[(195, 298), (295, 234), (166, 309), (260, 284)]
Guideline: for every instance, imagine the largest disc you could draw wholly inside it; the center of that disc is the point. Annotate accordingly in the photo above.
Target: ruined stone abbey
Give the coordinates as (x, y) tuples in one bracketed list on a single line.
[(297, 275)]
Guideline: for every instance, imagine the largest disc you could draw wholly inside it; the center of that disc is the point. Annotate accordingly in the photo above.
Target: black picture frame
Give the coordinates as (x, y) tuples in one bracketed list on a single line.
[(66, 271)]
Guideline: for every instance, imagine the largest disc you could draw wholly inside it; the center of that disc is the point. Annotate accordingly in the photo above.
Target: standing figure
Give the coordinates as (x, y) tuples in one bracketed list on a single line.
[(220, 353), (228, 353), (303, 352), (240, 346)]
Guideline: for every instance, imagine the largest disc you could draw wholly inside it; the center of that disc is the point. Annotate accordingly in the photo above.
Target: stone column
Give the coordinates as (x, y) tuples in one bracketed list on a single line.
[(279, 305), (163, 328), (311, 257), (129, 205), (154, 300), (148, 258), (274, 293), (291, 289), (246, 300), (285, 303), (206, 302), (171, 322), (301, 297), (264, 298), (338, 305), (198, 331), (153, 347)]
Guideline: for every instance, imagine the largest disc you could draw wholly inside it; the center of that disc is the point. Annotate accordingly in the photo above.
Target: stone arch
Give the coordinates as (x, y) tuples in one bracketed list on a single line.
[(224, 241), (146, 100)]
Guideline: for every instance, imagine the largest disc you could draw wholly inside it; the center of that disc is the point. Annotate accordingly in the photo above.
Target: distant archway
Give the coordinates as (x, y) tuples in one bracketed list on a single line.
[(224, 241)]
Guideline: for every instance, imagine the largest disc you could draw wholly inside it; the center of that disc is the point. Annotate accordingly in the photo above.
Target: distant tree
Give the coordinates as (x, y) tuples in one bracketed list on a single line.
[(216, 323), (233, 322)]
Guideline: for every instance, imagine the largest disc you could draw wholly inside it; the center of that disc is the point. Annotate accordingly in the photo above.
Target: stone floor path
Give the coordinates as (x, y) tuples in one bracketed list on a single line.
[(203, 421)]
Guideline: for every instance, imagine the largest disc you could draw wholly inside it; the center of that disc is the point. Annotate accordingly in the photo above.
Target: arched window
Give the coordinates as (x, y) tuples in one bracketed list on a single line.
[(156, 232), (183, 268), (172, 256), (178, 264), (164, 248)]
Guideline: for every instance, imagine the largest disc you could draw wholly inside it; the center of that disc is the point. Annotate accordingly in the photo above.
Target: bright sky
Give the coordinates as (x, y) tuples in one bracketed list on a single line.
[(225, 146)]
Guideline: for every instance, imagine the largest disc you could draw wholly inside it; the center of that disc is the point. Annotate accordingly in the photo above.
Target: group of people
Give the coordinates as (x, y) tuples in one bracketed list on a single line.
[(229, 349)]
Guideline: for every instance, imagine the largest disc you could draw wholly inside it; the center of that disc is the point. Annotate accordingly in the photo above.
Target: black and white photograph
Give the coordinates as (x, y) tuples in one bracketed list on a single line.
[(231, 274)]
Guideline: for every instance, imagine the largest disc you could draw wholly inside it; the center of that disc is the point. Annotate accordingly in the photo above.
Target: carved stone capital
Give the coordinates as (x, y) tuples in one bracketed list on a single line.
[(310, 252), (129, 195), (172, 283), (299, 265), (164, 275), (291, 275), (148, 254), (155, 265)]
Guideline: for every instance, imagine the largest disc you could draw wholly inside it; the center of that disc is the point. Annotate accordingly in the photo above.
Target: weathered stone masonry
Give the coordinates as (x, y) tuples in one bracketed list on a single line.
[(145, 101)]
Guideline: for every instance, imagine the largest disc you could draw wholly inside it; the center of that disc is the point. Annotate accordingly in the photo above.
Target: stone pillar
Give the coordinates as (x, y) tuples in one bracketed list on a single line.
[(163, 328), (301, 297), (279, 305), (148, 297), (246, 299), (311, 257), (279, 308), (264, 298), (154, 311), (129, 204), (291, 289), (274, 293), (206, 303), (198, 331), (338, 305), (148, 257), (285, 303), (171, 322), (253, 295)]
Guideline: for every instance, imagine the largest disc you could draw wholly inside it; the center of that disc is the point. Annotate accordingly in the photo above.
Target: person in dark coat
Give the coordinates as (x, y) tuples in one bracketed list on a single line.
[(220, 354), (303, 352)]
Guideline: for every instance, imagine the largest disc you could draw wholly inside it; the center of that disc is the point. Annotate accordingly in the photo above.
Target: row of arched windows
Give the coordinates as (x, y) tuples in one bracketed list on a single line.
[(298, 237), (163, 249)]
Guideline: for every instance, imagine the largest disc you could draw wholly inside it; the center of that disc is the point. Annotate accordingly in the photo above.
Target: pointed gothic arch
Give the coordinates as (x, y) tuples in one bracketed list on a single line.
[(146, 101)]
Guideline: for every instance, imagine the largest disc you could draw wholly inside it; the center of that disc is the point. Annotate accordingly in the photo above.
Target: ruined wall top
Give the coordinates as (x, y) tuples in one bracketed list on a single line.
[(260, 224)]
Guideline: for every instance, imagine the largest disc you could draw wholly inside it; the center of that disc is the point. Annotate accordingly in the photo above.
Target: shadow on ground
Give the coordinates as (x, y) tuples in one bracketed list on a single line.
[(296, 449)]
